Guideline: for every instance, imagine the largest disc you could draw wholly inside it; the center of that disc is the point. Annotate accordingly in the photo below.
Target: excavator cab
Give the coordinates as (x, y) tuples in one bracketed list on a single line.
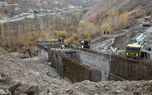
[(148, 19), (133, 51)]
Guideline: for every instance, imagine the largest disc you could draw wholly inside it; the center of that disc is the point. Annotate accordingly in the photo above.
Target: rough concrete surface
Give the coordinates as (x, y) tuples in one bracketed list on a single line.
[(96, 61)]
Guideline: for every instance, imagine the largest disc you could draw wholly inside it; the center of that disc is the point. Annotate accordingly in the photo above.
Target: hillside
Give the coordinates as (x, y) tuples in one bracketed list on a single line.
[(117, 5), (27, 77)]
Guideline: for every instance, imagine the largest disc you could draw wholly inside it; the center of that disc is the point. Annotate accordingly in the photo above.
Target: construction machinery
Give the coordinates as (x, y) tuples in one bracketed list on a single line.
[(147, 21), (85, 44), (140, 40), (135, 50)]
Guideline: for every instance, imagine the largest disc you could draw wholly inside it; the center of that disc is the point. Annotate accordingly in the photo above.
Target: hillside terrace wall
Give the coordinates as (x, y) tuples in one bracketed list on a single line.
[(131, 69), (73, 69), (95, 60), (115, 67)]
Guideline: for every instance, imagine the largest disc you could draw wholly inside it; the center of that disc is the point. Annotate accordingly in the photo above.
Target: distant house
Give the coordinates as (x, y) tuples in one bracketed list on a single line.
[(71, 6), (15, 6), (56, 2), (3, 4)]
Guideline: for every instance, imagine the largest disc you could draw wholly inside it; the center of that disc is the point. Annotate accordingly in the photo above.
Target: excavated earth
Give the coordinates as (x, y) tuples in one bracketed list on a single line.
[(119, 39), (28, 77), (35, 77)]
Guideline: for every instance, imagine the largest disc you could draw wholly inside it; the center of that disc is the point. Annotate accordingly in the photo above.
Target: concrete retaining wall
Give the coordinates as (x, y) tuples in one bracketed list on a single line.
[(83, 65), (90, 65), (73, 69), (79, 72), (96, 60), (100, 61), (131, 69)]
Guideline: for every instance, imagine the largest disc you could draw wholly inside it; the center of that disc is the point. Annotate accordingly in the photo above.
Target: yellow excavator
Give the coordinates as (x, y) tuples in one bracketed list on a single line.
[(135, 50), (147, 21)]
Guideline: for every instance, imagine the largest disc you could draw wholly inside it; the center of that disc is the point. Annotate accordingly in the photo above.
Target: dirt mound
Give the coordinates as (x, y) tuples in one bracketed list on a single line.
[(34, 73), (112, 88), (8, 86)]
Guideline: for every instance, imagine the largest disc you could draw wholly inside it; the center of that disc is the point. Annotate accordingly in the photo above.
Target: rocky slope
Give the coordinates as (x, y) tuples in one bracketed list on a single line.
[(26, 75), (117, 5)]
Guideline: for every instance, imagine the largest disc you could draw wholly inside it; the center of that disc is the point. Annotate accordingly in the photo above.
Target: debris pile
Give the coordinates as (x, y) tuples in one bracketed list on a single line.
[(33, 75), (113, 88)]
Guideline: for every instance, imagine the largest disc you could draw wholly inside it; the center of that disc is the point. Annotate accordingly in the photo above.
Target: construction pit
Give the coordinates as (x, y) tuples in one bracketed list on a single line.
[(83, 64), (102, 62)]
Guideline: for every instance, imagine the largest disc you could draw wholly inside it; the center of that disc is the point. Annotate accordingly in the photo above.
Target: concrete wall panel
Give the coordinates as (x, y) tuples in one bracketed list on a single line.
[(131, 69)]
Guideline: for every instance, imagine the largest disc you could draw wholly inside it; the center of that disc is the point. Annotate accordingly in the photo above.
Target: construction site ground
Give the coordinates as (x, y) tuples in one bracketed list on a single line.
[(34, 76), (118, 40)]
